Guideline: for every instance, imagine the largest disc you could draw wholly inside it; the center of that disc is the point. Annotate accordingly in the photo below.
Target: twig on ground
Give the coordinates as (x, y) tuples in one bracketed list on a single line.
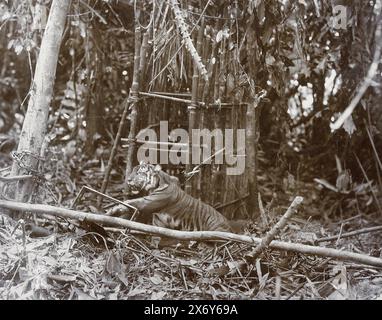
[(265, 241), (263, 215), (16, 178)]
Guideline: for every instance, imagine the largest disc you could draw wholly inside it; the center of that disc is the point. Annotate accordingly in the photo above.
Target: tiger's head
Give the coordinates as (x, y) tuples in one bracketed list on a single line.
[(145, 178)]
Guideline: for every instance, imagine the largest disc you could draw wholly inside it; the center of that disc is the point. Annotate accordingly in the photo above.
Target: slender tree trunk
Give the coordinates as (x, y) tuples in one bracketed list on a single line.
[(199, 48), (192, 121), (35, 123), (134, 97), (252, 137)]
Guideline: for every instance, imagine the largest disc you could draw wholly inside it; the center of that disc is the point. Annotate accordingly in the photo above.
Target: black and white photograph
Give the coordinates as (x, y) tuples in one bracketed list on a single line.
[(205, 152)]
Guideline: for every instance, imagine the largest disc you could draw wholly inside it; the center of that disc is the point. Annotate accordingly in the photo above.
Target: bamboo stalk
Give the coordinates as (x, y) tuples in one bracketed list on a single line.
[(154, 95), (216, 81), (134, 97), (143, 56), (192, 114), (199, 48), (216, 175), (171, 93), (187, 101), (166, 150), (207, 84), (177, 144)]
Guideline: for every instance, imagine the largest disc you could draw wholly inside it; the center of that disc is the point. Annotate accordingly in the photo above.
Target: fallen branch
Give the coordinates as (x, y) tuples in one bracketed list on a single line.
[(189, 235), (349, 234)]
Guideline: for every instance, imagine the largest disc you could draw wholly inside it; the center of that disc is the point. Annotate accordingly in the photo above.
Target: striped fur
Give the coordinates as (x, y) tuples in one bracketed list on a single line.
[(168, 205)]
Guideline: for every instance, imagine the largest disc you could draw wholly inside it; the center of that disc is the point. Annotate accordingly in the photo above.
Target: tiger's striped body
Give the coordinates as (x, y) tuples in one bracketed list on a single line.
[(168, 205)]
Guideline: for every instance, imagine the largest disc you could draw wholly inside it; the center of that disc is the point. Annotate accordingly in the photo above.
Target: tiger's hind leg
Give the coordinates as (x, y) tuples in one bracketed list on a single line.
[(164, 220)]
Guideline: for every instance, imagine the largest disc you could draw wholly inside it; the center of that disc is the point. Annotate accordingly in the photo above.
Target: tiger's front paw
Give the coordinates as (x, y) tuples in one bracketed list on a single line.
[(117, 210)]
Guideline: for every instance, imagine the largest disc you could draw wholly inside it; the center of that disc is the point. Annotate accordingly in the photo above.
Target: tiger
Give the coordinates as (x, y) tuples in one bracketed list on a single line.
[(167, 204)]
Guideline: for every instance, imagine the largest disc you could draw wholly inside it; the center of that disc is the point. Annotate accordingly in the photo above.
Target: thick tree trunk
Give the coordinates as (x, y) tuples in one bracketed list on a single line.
[(35, 123)]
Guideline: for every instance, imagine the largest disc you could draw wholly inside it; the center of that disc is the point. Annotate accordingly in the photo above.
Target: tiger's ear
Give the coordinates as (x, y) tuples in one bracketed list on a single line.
[(157, 168), (142, 162), (175, 180)]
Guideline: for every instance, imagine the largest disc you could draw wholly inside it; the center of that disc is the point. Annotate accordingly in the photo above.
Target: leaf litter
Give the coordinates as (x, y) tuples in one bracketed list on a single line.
[(70, 266)]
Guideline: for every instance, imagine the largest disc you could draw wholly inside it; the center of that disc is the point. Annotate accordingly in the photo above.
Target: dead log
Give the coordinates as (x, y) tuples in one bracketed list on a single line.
[(190, 235)]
